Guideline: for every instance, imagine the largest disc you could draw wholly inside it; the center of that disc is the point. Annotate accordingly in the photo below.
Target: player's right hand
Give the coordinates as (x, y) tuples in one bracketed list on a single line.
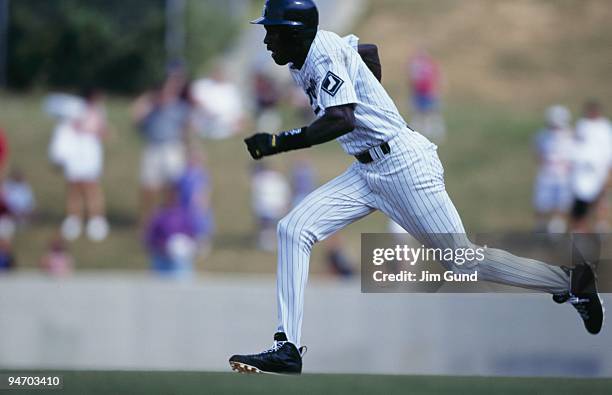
[(261, 144)]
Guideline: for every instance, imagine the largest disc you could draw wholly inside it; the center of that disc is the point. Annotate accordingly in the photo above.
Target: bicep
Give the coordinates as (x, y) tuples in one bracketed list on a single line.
[(344, 113)]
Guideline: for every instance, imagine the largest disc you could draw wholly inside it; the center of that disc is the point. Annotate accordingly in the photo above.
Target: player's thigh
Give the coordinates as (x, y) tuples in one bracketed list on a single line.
[(331, 207), (415, 197), (429, 225)]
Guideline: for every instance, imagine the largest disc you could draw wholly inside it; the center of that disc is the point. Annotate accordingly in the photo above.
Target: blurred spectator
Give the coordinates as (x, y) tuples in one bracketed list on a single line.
[(425, 90), (7, 223), (7, 230), (219, 106), (592, 162), (162, 117), (57, 261), (94, 124), (18, 197), (339, 263), (76, 147), (301, 103), (171, 237), (303, 179), (4, 150), (602, 215), (303, 182), (7, 259), (65, 109), (270, 196), (552, 193), (267, 97), (194, 188)]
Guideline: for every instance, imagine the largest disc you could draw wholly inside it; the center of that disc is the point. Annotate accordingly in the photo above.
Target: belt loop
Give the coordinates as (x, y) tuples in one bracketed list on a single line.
[(374, 153)]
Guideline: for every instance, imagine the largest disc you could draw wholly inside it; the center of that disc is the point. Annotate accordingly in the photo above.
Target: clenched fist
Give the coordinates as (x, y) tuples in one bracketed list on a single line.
[(261, 144)]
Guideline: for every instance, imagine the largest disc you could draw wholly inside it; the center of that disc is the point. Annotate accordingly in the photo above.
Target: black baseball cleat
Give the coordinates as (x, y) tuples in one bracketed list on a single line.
[(584, 297), (283, 358), (561, 298)]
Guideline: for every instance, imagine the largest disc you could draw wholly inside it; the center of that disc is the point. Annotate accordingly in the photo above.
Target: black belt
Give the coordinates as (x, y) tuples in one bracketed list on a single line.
[(365, 157)]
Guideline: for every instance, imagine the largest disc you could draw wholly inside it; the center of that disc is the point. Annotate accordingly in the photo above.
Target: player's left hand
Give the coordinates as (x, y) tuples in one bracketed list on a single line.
[(261, 144)]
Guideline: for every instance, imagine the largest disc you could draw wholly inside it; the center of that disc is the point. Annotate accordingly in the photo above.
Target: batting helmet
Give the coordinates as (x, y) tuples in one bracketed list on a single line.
[(298, 13)]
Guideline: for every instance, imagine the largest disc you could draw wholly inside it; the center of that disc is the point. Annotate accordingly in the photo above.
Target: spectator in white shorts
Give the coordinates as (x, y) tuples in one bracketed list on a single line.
[(77, 147), (162, 118), (552, 194), (591, 169)]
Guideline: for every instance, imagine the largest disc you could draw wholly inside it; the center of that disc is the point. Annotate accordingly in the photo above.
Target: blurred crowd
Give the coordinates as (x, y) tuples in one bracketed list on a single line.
[(573, 178), (175, 220), (175, 117)]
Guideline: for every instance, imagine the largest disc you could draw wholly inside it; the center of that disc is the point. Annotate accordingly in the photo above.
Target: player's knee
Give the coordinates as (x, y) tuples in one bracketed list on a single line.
[(290, 229), (282, 228)]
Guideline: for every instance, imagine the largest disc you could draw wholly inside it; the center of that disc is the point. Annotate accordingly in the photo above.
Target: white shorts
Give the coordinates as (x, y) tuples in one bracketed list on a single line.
[(85, 161), (80, 154), (161, 164)]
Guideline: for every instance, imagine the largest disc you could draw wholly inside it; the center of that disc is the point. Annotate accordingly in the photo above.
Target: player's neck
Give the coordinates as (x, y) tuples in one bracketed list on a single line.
[(298, 63)]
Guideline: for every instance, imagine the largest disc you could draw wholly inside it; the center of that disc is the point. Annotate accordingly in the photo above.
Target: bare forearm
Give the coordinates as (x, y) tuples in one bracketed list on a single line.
[(328, 128), (336, 122)]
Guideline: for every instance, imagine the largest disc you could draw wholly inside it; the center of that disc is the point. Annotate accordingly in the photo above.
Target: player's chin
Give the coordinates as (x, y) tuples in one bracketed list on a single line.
[(279, 60)]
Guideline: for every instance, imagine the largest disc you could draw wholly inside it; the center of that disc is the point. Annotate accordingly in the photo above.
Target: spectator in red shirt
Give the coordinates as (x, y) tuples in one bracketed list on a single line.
[(425, 90)]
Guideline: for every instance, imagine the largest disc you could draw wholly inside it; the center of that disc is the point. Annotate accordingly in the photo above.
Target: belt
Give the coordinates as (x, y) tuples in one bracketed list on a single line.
[(366, 156)]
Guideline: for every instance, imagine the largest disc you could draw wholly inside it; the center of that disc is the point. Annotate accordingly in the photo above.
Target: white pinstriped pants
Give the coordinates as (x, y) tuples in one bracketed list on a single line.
[(408, 186)]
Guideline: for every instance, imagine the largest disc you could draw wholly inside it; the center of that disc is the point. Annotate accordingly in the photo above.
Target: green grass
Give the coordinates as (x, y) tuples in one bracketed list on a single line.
[(170, 383)]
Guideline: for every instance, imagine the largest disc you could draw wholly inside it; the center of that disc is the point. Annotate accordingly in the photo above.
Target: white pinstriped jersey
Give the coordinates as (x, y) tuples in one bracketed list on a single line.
[(334, 74), (406, 184)]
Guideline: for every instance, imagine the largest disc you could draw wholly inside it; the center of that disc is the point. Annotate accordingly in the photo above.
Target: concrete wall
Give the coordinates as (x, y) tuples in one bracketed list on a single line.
[(107, 321)]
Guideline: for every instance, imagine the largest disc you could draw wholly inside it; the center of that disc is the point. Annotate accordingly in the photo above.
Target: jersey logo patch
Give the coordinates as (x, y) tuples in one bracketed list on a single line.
[(332, 83)]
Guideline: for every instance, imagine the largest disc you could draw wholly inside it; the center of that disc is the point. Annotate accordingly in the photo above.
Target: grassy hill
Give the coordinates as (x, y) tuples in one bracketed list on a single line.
[(503, 63), (520, 55)]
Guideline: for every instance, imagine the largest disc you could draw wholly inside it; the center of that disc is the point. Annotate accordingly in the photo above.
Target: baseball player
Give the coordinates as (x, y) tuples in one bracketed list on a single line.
[(396, 171)]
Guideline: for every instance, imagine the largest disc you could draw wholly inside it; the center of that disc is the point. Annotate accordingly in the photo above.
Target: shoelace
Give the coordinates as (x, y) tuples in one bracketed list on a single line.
[(580, 305), (275, 347)]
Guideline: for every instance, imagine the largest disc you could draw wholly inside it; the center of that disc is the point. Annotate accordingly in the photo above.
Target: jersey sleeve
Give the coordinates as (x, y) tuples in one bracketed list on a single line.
[(336, 87), (351, 40)]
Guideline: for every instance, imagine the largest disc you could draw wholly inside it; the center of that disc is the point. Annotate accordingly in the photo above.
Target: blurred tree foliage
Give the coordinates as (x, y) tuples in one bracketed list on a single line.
[(118, 45)]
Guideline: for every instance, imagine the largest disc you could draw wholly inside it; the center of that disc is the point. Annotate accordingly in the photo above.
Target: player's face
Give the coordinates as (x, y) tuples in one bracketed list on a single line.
[(279, 43)]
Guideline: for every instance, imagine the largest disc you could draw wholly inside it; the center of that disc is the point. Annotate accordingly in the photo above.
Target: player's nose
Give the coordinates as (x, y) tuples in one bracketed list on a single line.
[(271, 36), (268, 38)]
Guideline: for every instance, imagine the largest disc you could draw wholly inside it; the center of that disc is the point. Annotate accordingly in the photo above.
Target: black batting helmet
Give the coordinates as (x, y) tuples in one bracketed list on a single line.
[(297, 13)]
